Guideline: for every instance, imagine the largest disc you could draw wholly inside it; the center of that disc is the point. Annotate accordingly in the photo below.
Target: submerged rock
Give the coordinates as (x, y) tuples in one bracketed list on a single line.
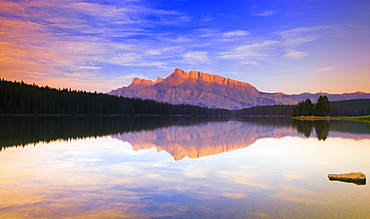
[(353, 177)]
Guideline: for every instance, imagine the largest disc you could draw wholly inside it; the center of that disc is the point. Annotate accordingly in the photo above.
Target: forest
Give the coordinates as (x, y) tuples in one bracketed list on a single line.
[(360, 107), (272, 110), (22, 98)]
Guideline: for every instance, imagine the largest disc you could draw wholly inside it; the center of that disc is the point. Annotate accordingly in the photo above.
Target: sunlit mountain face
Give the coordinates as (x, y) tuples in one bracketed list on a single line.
[(202, 89)]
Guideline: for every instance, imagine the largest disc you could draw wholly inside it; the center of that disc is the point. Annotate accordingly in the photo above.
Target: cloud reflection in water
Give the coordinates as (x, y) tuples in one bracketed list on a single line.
[(104, 177)]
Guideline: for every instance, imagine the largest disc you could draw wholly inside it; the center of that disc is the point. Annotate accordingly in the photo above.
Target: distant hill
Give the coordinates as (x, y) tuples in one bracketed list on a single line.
[(202, 89), (331, 97)]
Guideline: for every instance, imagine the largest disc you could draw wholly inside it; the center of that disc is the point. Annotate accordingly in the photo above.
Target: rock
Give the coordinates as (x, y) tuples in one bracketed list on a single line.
[(353, 177)]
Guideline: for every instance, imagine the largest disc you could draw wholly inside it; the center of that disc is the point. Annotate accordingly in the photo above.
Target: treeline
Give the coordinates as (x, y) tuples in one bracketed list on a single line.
[(22, 98), (273, 110), (360, 107), (306, 108)]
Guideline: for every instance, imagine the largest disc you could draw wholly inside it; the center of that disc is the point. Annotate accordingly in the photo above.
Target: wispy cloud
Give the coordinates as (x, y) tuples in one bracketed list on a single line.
[(48, 39), (90, 67), (235, 33), (326, 69), (293, 38), (101, 11), (288, 44), (303, 34), (61, 37), (296, 54), (255, 50), (264, 13), (196, 57)]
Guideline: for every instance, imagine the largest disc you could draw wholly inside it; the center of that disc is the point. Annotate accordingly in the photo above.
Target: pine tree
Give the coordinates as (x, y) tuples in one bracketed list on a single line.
[(307, 108), (322, 106)]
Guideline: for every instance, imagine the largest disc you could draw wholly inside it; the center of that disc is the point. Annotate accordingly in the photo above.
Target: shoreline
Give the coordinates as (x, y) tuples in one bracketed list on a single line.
[(102, 115), (345, 118)]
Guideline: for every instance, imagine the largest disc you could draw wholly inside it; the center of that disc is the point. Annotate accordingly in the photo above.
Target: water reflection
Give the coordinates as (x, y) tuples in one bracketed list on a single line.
[(20, 131), (191, 137), (307, 127), (283, 175), (205, 139)]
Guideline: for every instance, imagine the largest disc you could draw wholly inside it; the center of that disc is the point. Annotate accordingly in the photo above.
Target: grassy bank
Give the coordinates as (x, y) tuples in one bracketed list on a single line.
[(349, 118)]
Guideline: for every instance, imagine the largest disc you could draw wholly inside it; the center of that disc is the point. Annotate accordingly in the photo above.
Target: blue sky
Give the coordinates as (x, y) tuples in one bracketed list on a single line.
[(277, 46)]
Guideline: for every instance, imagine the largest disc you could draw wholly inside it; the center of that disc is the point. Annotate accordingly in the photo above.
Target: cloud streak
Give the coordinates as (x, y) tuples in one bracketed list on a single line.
[(54, 40), (65, 37), (196, 58)]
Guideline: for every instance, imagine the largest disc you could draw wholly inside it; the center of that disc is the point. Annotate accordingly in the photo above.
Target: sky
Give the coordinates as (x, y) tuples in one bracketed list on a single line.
[(275, 45)]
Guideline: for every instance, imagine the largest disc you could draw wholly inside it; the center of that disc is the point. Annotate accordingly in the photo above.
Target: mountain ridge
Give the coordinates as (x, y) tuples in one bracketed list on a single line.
[(213, 91)]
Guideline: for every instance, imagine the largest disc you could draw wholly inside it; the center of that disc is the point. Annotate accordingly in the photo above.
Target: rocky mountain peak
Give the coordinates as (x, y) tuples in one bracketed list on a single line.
[(136, 81), (178, 73), (142, 82), (158, 80), (213, 91), (202, 89)]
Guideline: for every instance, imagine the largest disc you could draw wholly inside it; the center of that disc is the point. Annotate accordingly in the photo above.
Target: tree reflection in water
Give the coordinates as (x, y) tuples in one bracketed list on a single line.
[(24, 130), (306, 128)]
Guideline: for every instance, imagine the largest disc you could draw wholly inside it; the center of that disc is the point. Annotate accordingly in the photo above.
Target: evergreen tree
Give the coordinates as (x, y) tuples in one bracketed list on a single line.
[(322, 107), (303, 108), (297, 110), (307, 108)]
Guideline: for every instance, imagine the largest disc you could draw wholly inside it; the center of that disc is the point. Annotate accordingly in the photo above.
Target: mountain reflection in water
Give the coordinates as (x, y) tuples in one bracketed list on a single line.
[(103, 177), (203, 139), (181, 137)]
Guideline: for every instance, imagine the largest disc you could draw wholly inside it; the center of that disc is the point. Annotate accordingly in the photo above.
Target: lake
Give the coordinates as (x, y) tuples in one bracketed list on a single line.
[(181, 167)]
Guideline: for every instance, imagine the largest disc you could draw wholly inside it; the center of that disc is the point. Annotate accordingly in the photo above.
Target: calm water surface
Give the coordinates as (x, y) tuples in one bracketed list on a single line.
[(181, 168)]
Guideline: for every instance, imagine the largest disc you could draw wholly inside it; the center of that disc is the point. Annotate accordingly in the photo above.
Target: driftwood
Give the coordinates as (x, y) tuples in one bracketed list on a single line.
[(353, 177)]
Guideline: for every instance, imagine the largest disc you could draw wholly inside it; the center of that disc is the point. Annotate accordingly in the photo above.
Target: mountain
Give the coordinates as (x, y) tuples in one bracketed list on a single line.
[(202, 89), (197, 88)]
